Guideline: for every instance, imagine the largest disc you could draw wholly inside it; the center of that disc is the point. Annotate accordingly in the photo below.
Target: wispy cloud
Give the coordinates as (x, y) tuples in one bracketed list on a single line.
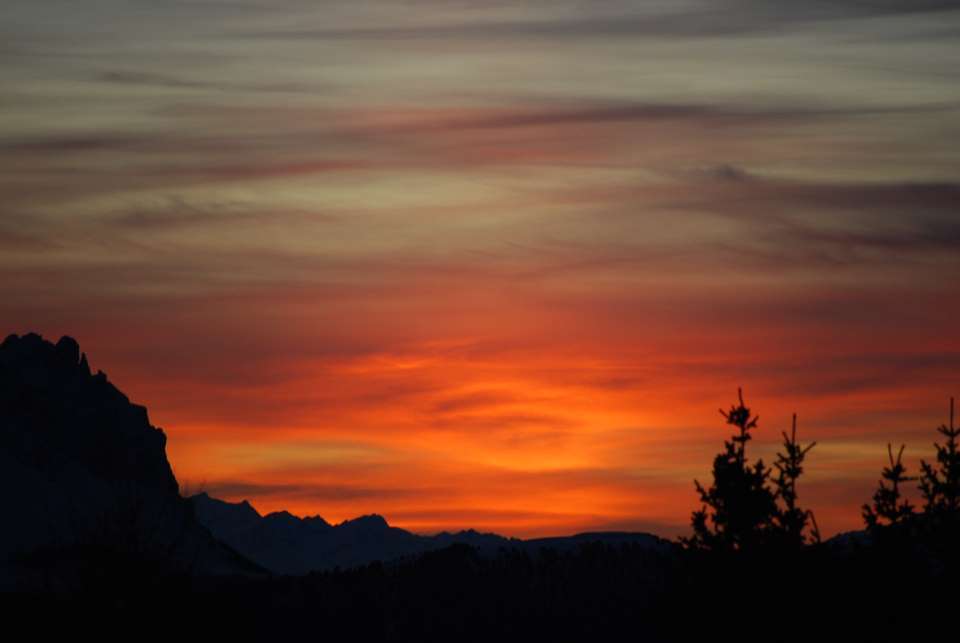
[(624, 20), (521, 251)]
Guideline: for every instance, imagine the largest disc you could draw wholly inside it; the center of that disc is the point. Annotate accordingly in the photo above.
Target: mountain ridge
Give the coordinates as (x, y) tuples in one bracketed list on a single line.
[(82, 469), (294, 546), (97, 473)]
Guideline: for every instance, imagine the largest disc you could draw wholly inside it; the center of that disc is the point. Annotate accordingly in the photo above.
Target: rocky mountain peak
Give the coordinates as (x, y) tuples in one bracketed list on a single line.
[(81, 466)]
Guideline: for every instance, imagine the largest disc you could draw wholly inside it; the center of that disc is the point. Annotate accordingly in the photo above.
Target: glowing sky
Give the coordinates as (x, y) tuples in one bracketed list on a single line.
[(493, 264)]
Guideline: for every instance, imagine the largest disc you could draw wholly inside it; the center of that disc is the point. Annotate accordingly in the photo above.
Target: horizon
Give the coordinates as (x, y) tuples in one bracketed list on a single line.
[(666, 531), (494, 266), (373, 515)]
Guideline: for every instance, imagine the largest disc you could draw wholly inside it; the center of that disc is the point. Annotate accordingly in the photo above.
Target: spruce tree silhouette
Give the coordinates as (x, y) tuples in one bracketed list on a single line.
[(791, 522), (940, 485), (739, 508), (888, 509), (940, 488)]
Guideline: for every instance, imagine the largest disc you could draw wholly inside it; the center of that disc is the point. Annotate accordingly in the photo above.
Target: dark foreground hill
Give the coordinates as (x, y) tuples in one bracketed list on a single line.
[(595, 592)]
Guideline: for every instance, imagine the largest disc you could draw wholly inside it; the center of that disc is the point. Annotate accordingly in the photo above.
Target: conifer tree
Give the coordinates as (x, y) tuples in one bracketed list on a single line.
[(738, 508), (889, 509), (940, 484), (792, 522)]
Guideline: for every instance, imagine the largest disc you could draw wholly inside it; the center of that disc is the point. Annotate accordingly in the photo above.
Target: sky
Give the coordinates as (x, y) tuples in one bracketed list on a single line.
[(493, 264)]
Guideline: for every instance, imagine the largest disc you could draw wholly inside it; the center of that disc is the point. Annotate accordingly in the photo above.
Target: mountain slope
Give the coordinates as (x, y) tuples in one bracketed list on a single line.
[(82, 468)]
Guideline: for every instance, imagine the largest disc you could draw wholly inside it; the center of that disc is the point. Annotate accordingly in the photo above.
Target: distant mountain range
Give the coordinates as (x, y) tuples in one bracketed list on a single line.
[(81, 467), (284, 543), (287, 544)]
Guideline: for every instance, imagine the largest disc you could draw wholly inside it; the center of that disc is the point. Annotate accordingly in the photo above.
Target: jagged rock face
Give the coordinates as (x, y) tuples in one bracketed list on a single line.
[(55, 413), (82, 466)]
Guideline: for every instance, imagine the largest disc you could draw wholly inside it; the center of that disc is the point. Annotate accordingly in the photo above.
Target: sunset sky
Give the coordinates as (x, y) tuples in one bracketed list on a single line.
[(493, 264)]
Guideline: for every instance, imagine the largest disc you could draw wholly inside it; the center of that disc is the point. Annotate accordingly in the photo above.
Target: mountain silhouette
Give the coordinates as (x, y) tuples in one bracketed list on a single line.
[(95, 531), (286, 544), (82, 469)]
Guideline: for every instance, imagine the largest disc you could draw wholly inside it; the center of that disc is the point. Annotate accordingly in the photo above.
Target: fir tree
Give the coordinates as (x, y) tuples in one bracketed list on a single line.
[(888, 508), (940, 485), (738, 508), (792, 522)]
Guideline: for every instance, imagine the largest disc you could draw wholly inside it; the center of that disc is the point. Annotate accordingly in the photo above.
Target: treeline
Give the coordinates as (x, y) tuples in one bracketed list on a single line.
[(751, 506)]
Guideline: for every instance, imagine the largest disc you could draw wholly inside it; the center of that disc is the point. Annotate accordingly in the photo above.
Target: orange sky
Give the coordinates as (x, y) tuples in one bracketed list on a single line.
[(480, 266)]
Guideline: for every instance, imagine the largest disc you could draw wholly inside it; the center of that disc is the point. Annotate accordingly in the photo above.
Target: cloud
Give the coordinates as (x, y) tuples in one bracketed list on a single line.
[(787, 224), (72, 144), (489, 261), (704, 113), (152, 79), (235, 490), (842, 223), (17, 237), (204, 151), (473, 401), (921, 237), (612, 20), (137, 78), (872, 373)]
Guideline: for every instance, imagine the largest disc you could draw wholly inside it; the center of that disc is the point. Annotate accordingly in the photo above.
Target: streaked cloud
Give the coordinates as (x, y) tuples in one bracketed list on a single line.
[(492, 264)]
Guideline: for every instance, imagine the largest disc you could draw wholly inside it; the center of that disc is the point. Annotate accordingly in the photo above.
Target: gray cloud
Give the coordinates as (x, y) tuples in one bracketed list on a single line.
[(151, 79), (734, 17), (701, 113), (918, 236), (850, 374), (69, 144)]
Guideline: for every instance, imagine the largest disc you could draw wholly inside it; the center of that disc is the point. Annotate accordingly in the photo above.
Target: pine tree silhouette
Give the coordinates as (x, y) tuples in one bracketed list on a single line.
[(791, 522), (738, 508), (888, 509), (940, 485), (940, 488)]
